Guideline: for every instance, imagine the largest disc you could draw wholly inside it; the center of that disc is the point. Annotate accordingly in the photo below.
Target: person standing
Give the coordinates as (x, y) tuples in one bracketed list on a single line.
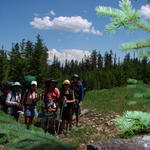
[(51, 95), (67, 103), (77, 87), (29, 101), (49, 109), (13, 100), (51, 89)]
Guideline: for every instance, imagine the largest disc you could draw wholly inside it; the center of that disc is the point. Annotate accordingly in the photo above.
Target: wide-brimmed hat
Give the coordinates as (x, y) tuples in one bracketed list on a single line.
[(16, 84)]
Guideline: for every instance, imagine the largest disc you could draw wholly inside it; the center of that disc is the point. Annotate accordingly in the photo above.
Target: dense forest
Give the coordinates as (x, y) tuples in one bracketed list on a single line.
[(99, 71)]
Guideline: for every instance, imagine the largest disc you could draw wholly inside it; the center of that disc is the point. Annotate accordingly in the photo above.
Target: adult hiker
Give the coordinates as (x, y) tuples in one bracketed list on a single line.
[(53, 93), (49, 109), (77, 87), (29, 102), (13, 100), (51, 89), (67, 99)]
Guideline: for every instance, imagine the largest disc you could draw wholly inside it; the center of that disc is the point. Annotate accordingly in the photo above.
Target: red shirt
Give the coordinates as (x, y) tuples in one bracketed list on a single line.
[(54, 94)]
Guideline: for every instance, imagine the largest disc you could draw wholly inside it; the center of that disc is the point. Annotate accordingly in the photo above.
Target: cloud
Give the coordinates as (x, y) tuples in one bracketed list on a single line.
[(52, 13), (145, 11), (69, 54), (71, 24)]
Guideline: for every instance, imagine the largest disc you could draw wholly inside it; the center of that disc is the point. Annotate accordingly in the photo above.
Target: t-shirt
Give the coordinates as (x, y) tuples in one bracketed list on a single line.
[(54, 94), (13, 98), (50, 104), (30, 99)]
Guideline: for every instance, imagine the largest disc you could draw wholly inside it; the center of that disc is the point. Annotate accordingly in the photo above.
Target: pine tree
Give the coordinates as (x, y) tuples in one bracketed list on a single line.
[(39, 60), (93, 59), (55, 69), (3, 66), (99, 61), (16, 71), (28, 54), (130, 19)]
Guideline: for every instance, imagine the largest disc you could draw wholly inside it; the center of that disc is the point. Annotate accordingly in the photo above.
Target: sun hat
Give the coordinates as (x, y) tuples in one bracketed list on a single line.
[(16, 84)]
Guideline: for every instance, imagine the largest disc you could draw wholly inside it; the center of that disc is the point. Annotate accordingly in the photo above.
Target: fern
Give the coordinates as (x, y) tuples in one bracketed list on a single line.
[(133, 122)]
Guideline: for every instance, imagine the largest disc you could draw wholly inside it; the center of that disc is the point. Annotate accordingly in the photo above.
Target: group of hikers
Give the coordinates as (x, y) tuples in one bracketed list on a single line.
[(67, 99)]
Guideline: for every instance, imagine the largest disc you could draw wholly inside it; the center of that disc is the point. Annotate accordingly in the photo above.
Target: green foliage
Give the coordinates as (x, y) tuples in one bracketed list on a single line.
[(133, 122), (143, 93), (100, 71), (3, 66), (136, 45), (120, 17), (14, 135), (111, 100), (132, 81), (16, 71), (130, 19)]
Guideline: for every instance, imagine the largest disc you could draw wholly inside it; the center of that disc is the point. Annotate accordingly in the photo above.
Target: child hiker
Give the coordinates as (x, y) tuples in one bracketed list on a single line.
[(49, 109)]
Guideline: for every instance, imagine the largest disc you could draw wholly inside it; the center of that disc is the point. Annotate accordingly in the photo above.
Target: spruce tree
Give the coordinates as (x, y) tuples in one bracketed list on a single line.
[(3, 66), (40, 55), (99, 61), (16, 71), (28, 53), (130, 19)]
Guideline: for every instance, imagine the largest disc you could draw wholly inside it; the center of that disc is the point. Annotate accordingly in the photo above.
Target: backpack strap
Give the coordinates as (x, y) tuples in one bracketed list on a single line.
[(13, 94)]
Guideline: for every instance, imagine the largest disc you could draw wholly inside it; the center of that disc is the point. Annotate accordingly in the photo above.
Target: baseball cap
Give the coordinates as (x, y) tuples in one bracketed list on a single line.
[(34, 82)]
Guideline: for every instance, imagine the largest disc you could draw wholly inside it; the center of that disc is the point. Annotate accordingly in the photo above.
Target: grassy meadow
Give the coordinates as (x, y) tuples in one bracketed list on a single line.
[(15, 136), (112, 100), (98, 124)]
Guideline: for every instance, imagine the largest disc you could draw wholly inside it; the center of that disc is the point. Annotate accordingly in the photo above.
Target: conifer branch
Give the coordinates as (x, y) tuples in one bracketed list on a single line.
[(141, 24), (128, 18), (136, 45)]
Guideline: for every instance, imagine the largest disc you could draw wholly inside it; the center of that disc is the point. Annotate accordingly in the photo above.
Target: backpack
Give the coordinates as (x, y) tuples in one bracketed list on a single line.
[(84, 85), (5, 90), (27, 81)]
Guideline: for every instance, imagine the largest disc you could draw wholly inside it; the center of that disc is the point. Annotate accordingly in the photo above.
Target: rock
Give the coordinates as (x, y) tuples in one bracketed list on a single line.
[(119, 144)]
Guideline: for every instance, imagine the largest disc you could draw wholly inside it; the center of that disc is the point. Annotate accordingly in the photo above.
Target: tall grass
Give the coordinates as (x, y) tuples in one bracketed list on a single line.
[(112, 100), (14, 135)]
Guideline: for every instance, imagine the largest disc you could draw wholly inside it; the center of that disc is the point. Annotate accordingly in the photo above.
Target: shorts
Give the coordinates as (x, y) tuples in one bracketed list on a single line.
[(29, 112), (77, 109), (49, 118), (67, 113)]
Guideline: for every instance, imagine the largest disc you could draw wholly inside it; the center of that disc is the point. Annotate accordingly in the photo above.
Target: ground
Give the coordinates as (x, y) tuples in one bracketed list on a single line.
[(94, 126)]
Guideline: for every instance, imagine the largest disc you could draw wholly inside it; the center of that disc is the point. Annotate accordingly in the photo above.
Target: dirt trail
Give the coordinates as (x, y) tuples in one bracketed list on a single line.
[(96, 126)]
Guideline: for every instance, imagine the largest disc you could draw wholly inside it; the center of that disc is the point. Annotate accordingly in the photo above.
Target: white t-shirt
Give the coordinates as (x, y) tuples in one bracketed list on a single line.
[(13, 98)]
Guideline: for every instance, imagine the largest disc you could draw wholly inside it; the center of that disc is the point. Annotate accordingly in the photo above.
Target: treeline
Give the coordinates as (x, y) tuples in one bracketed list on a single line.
[(100, 71)]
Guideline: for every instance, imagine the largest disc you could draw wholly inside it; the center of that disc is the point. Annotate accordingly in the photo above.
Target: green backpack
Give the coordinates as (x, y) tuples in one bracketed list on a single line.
[(27, 81)]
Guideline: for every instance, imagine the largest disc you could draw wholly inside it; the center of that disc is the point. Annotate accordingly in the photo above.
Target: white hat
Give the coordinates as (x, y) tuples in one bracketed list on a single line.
[(16, 84), (34, 82)]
